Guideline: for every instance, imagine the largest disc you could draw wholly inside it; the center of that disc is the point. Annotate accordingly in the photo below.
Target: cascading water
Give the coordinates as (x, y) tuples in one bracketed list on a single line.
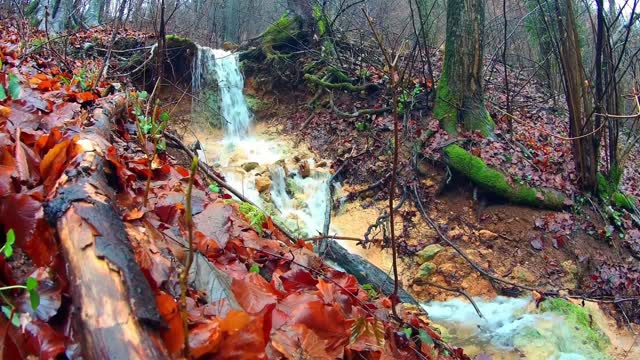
[(301, 210), (234, 112)]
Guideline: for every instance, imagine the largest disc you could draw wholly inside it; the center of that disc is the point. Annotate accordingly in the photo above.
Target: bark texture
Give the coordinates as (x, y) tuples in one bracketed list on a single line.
[(460, 97), (114, 306)]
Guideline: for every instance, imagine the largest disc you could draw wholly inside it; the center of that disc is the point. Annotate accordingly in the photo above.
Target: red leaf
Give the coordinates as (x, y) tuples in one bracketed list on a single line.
[(253, 293), (299, 342), (205, 338)]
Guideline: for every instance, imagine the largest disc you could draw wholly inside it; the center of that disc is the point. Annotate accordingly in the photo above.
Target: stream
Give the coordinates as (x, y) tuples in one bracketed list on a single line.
[(291, 184)]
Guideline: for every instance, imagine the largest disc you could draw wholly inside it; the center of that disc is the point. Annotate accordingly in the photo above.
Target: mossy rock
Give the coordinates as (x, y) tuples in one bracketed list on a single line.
[(425, 270), (580, 318), (282, 34), (175, 41), (496, 182), (255, 104), (429, 252), (292, 188)]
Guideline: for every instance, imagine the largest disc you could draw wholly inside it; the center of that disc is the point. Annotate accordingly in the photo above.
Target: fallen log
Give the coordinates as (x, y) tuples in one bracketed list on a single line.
[(114, 307), (363, 270)]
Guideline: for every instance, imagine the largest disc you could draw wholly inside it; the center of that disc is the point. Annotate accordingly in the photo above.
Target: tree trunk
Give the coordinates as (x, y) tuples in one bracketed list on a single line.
[(93, 16), (460, 97), (581, 125)]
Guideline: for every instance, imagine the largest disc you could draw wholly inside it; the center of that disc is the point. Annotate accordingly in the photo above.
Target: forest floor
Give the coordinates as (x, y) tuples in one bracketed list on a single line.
[(99, 210), (578, 250)]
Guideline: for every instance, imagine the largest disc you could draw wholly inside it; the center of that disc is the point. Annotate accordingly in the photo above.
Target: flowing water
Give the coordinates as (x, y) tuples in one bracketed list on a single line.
[(514, 329), (295, 198)]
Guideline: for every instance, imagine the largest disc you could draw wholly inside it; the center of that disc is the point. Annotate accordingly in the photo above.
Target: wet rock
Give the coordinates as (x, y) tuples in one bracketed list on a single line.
[(524, 275), (292, 188), (571, 274), (455, 233), (229, 46), (263, 183), (487, 235), (426, 269), (248, 166), (428, 253), (305, 169)]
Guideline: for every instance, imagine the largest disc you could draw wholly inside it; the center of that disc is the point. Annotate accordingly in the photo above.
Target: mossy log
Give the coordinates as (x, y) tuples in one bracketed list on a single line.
[(340, 86), (496, 182)]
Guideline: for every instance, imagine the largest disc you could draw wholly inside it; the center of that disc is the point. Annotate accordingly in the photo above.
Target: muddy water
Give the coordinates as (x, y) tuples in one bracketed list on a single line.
[(251, 156)]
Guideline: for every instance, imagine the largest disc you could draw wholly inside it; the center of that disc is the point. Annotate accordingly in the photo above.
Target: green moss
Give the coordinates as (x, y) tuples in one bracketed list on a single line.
[(496, 182), (580, 318), (446, 109), (31, 8), (255, 104), (175, 41), (254, 215), (280, 32)]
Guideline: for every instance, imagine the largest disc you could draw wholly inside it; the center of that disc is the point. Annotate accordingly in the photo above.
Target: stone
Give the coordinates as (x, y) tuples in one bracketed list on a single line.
[(229, 46), (248, 166), (487, 235), (305, 169), (263, 183), (426, 269), (455, 234), (428, 253)]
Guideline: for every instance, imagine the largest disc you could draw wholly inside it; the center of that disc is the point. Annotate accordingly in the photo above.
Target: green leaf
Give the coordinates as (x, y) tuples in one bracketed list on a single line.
[(143, 95), (162, 145), (214, 188), (34, 298), (14, 87), (254, 268), (32, 284), (407, 331), (164, 117), (425, 338), (7, 249), (3, 94), (15, 319)]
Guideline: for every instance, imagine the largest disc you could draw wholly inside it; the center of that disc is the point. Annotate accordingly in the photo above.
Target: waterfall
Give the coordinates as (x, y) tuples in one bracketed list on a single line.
[(216, 67), (298, 202)]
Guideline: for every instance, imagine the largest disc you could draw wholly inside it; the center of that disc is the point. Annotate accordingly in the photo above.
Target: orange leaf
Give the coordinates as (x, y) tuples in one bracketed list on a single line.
[(236, 320), (85, 96), (5, 111), (134, 214), (173, 337)]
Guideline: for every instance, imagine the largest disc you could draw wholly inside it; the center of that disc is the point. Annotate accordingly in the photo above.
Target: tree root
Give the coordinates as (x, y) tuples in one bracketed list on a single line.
[(357, 113), (340, 86), (496, 182)]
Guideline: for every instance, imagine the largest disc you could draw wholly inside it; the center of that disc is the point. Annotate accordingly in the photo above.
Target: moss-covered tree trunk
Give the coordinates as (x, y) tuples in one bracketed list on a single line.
[(460, 97)]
